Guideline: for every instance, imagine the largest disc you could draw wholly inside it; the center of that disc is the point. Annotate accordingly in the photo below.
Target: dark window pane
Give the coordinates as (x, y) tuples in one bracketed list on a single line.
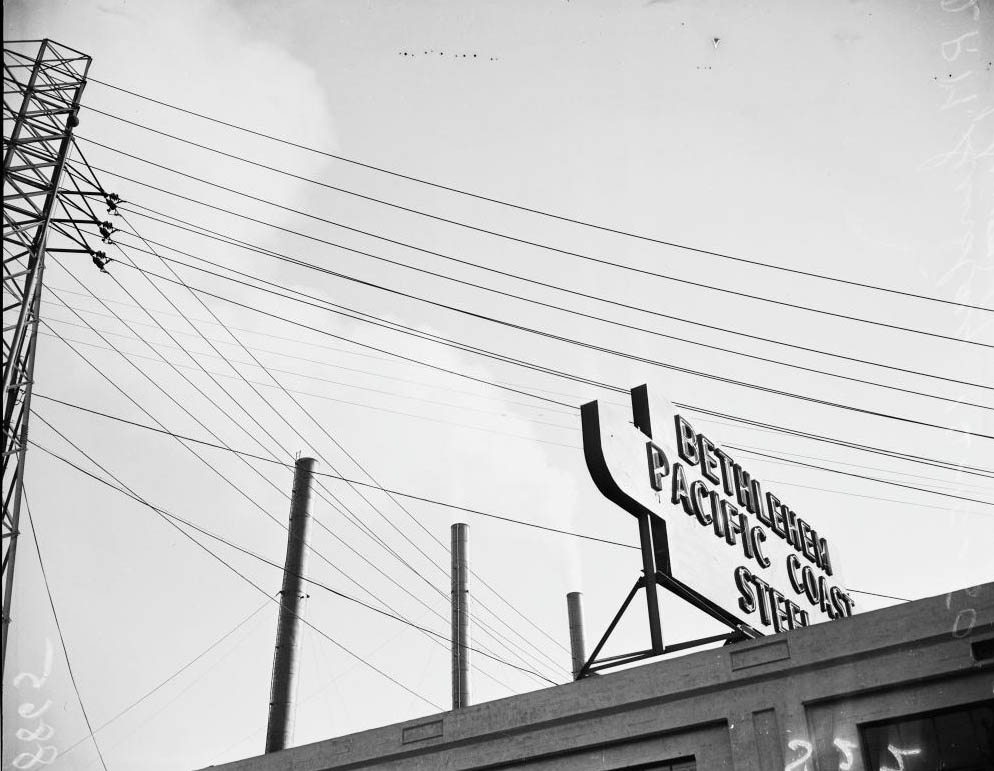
[(959, 739)]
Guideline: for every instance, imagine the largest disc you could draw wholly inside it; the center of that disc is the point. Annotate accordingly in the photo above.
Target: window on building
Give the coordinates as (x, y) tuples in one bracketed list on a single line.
[(959, 739)]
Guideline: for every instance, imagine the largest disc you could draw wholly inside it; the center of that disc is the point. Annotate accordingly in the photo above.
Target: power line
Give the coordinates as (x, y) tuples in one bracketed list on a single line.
[(867, 448), (380, 350), (201, 230), (171, 677), (312, 266), (169, 518), (282, 338), (364, 405), (885, 596), (447, 404), (354, 520), (747, 450), (395, 492), (451, 405), (397, 327), (186, 411), (424, 499), (861, 476), (358, 523), (329, 381), (630, 268), (519, 207), (338, 477), (173, 519), (959, 484), (617, 389), (758, 425), (58, 627), (493, 633), (236, 401), (849, 494), (938, 463), (249, 498), (165, 393), (343, 595)]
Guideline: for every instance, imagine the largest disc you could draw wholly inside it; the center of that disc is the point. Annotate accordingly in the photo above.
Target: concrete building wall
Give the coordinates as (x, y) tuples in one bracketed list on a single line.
[(798, 701)]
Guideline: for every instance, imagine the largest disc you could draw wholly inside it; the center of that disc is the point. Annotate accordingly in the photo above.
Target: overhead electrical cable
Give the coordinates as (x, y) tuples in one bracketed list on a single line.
[(956, 508), (573, 428), (232, 398), (307, 359), (477, 196), (379, 350), (127, 491), (641, 271), (410, 515), (474, 511), (355, 521), (376, 321), (176, 673), (746, 421), (362, 405), (938, 463), (758, 426), (249, 498), (62, 638), (302, 375), (141, 209), (258, 333), (862, 476), (960, 484), (630, 268), (338, 538), (503, 641), (410, 496), (312, 581), (238, 489), (172, 519), (346, 277), (884, 596), (481, 622), (152, 417), (234, 570)]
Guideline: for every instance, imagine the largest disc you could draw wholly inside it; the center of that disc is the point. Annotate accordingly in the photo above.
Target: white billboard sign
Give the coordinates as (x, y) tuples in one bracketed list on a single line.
[(725, 538)]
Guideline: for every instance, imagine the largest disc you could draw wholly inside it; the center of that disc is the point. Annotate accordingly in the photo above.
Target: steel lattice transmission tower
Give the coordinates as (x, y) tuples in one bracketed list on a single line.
[(42, 85)]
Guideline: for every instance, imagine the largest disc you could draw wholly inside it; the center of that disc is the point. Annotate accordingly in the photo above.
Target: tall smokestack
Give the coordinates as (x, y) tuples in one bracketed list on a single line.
[(282, 698), (577, 645), (460, 616)]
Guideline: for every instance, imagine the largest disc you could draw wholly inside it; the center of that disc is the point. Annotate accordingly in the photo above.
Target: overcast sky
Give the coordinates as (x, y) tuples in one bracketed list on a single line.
[(850, 139)]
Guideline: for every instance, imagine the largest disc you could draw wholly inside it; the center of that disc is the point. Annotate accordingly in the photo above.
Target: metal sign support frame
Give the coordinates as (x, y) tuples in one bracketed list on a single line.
[(655, 564), (657, 571)]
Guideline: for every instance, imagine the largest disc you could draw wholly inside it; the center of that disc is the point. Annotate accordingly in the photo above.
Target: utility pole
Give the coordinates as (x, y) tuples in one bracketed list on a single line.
[(50, 84), (282, 699), (460, 616)]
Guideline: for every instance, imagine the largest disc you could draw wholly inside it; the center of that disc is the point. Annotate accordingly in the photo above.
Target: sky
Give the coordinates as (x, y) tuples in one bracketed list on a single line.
[(853, 140)]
